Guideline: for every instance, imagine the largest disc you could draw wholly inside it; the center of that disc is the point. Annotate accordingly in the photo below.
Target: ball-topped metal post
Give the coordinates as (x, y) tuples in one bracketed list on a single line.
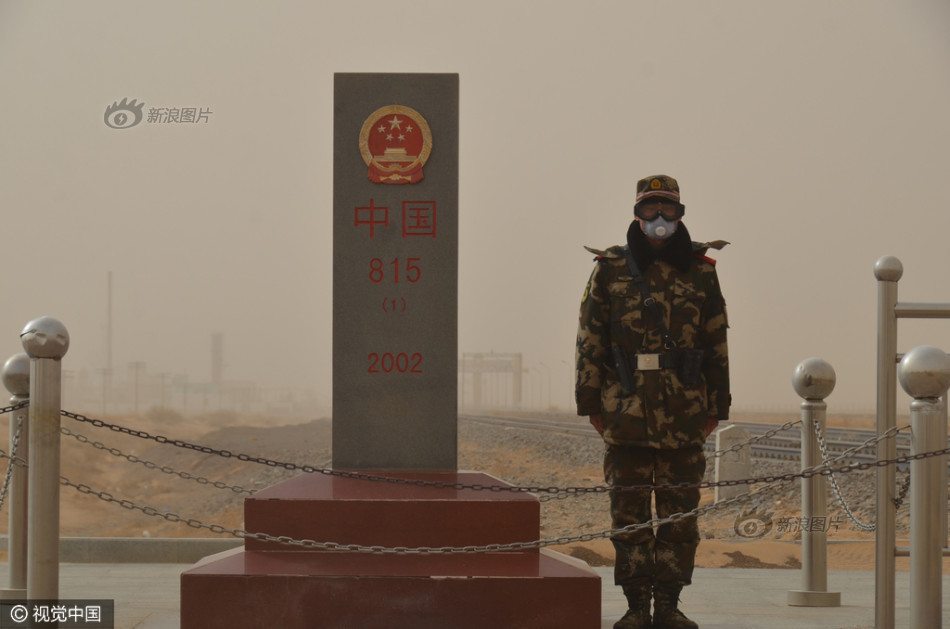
[(16, 378), (813, 380), (924, 373), (45, 340), (888, 271)]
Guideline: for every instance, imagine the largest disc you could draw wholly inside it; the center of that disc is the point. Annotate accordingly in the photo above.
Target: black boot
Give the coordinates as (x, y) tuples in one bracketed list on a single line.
[(666, 614), (638, 616)]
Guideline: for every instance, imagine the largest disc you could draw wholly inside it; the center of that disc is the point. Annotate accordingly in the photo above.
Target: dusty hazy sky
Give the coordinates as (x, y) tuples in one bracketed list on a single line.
[(813, 135)]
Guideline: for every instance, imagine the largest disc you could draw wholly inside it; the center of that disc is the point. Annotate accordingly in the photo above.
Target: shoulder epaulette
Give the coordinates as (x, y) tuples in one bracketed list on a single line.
[(612, 252), (700, 249)]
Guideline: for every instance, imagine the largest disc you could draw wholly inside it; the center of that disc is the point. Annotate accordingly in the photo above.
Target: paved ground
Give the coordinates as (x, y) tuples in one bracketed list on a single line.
[(147, 596)]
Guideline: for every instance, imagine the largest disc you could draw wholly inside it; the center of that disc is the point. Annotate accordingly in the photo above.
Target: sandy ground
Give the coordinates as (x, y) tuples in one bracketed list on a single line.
[(842, 555), (89, 515)]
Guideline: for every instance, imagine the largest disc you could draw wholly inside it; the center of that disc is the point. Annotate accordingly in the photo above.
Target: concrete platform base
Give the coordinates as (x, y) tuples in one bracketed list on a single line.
[(283, 586), (12, 594), (802, 598)]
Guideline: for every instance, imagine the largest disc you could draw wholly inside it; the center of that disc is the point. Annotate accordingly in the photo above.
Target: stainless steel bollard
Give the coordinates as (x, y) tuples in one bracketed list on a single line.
[(16, 378), (945, 477), (45, 341), (814, 380), (888, 271), (924, 373)]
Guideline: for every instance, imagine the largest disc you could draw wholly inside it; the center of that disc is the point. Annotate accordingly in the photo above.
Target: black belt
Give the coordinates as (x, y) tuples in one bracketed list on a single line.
[(687, 361)]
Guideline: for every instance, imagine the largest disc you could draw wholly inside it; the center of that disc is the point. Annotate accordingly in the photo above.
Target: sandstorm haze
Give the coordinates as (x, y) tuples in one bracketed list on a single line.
[(812, 135)]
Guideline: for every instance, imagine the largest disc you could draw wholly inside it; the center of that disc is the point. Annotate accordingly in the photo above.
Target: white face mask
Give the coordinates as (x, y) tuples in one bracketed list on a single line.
[(659, 228)]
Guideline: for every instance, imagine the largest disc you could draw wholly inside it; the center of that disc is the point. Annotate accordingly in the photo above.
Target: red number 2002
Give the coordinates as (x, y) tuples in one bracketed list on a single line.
[(395, 363)]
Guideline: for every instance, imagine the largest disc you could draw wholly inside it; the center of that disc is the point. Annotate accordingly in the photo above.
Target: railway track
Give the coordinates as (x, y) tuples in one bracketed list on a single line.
[(783, 446)]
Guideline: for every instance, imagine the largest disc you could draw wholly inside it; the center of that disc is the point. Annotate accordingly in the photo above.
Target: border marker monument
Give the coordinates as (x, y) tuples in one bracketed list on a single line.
[(395, 271), (395, 218)]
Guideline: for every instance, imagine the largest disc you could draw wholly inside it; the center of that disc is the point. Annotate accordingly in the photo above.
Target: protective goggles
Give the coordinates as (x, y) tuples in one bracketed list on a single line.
[(649, 211)]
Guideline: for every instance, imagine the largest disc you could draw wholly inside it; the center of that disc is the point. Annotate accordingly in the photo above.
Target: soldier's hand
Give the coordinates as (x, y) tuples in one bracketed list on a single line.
[(597, 421), (711, 425)]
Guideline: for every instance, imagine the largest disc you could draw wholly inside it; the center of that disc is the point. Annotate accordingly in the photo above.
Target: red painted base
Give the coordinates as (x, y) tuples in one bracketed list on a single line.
[(297, 589), (375, 513)]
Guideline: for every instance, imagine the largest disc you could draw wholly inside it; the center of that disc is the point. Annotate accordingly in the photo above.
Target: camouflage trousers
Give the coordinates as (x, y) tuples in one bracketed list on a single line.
[(667, 554)]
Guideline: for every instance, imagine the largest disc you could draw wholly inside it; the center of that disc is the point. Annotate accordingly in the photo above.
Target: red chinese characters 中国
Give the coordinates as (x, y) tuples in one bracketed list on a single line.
[(418, 218)]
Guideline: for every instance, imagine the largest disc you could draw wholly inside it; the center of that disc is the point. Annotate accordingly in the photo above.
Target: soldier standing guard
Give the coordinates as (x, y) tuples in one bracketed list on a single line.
[(653, 376)]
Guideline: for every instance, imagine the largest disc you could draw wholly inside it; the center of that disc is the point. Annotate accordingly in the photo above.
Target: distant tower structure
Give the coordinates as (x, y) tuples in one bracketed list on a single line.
[(217, 359), (477, 365)]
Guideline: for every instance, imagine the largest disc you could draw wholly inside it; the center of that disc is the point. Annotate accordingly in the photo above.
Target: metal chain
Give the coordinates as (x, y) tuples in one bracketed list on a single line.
[(14, 407), (775, 482), (738, 446), (494, 488), (329, 472), (902, 491), (333, 546), (870, 442), (402, 550), (13, 448), (834, 483), (201, 480), (13, 457)]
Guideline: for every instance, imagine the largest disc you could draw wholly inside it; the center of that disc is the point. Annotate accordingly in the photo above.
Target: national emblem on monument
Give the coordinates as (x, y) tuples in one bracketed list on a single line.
[(395, 143)]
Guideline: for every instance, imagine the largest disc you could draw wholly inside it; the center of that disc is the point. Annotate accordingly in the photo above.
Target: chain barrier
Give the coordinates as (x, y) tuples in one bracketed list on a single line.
[(738, 446), (13, 458), (864, 526), (333, 546), (131, 458), (551, 491), (772, 482), (571, 491), (544, 497), (488, 548), (13, 407), (902, 492)]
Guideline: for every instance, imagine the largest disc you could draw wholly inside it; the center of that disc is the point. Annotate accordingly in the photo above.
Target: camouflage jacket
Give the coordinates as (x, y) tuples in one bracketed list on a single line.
[(661, 411)]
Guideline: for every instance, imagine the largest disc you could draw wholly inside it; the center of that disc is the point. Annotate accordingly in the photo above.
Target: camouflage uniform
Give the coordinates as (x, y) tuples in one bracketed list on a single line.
[(661, 412), (654, 433)]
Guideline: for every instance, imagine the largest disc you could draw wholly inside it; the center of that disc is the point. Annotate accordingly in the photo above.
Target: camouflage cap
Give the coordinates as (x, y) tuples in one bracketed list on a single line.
[(658, 186)]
